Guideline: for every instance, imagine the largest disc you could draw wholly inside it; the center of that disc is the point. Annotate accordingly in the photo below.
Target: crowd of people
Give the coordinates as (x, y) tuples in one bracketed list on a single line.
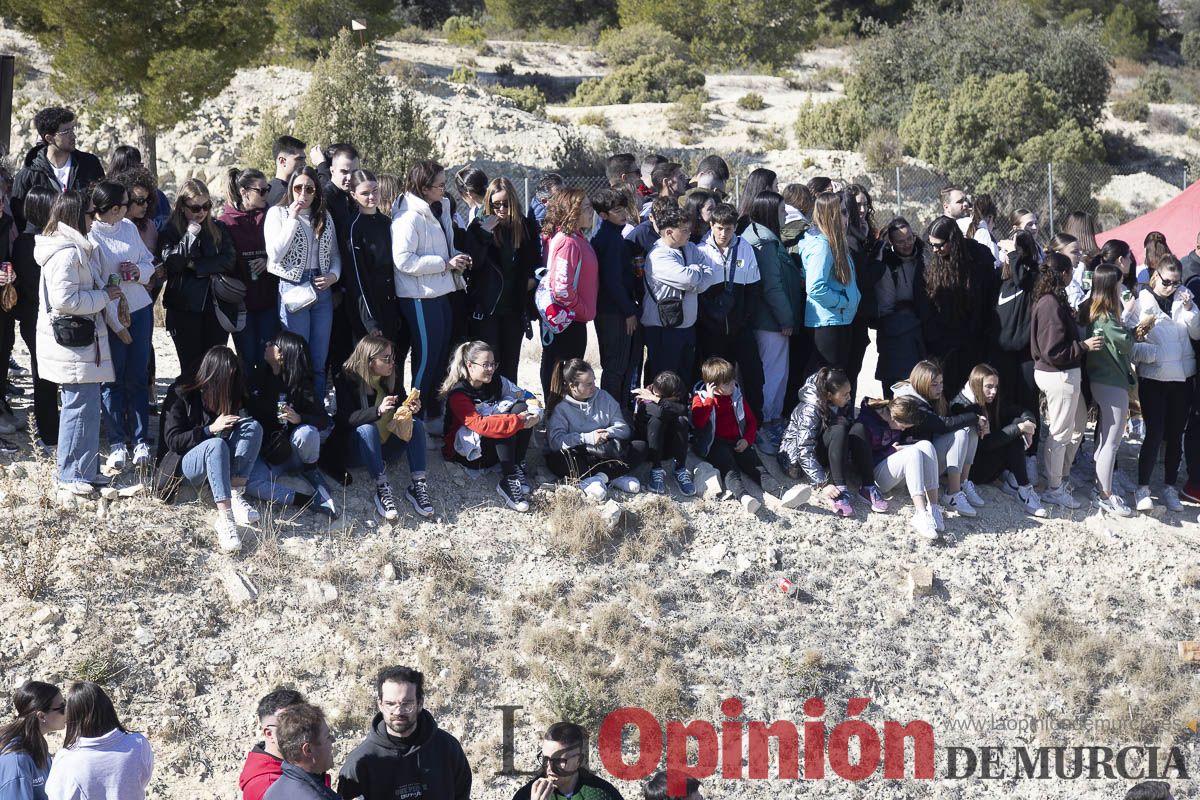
[(728, 331)]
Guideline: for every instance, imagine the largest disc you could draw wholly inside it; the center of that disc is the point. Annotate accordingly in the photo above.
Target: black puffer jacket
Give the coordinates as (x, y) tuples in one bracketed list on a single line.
[(191, 263), (811, 416), (369, 276), (38, 171)]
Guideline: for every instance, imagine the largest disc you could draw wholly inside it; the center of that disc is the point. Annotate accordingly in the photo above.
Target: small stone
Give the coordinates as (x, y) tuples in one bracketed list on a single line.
[(329, 593), (919, 582), (201, 152), (388, 572), (143, 636), (1189, 651), (109, 493), (132, 491), (241, 590), (611, 513), (46, 615), (707, 480), (102, 510), (718, 551), (742, 562), (17, 471), (218, 657)]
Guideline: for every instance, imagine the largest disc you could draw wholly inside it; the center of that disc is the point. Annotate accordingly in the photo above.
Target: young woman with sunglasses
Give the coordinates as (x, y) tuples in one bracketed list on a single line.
[(1163, 383), (194, 247), (100, 757), (120, 252), (39, 708), (370, 274), (302, 251), (244, 213)]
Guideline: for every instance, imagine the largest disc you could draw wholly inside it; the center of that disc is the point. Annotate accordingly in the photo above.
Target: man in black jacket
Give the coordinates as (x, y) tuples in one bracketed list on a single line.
[(564, 772), (405, 754), (334, 167), (54, 162)]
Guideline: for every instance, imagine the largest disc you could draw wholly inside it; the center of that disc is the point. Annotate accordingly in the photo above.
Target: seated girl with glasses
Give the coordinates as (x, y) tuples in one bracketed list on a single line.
[(489, 420), (368, 395)]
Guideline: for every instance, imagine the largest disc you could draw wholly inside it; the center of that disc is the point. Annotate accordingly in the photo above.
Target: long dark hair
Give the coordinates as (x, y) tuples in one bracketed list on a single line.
[(692, 208), (758, 181), (946, 282), (68, 209), (982, 210), (296, 369), (90, 712), (764, 210), (24, 734), (316, 211), (850, 198), (827, 381), (38, 202), (1025, 251), (1111, 253), (240, 179), (107, 195), (125, 157), (1049, 282), (220, 381)]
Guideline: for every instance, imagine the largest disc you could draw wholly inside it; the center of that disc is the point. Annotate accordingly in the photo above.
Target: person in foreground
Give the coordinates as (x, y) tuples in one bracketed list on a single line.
[(564, 772), (100, 758)]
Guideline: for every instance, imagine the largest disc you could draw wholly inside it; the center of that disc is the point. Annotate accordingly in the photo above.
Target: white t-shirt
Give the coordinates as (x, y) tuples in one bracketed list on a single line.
[(63, 173)]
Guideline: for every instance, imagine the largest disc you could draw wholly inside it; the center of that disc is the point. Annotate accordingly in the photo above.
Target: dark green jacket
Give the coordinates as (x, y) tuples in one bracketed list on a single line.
[(1110, 364), (776, 301)]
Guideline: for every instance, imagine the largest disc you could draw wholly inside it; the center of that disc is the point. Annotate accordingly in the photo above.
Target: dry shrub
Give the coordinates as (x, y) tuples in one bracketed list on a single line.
[(577, 525), (100, 662), (453, 572), (654, 526), (27, 560), (1167, 123), (1191, 576)]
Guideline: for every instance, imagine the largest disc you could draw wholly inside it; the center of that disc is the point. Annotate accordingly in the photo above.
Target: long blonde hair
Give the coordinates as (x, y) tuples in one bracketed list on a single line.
[(923, 374), (827, 215), (980, 373), (459, 370), (194, 188), (516, 223), (358, 365)]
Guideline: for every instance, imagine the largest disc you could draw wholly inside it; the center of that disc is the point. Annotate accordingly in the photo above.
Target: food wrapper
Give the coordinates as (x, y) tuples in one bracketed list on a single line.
[(401, 424), (8, 297), (123, 312)]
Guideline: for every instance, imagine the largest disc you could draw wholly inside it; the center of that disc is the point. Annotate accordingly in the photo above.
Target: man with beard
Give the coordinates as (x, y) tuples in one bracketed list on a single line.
[(405, 756), (564, 754)]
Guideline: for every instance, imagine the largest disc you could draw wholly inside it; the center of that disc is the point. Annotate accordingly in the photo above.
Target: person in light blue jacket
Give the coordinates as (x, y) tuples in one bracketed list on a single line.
[(24, 757), (831, 288)]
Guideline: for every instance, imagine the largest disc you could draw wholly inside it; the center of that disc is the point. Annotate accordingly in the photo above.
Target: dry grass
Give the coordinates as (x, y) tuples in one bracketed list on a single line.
[(452, 571), (577, 525), (655, 527), (1190, 578), (100, 662)]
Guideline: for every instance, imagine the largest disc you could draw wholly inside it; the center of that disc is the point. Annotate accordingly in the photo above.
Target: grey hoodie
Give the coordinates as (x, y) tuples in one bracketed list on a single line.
[(572, 419)]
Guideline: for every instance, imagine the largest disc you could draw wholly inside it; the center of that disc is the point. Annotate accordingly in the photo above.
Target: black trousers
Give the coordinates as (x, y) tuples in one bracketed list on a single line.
[(505, 452), (831, 347), (722, 456), (571, 343), (614, 458), (739, 348), (1165, 408), (1016, 381), (672, 349), (618, 356), (860, 339), (45, 393), (842, 449), (666, 438), (194, 334), (504, 332), (799, 353), (991, 460)]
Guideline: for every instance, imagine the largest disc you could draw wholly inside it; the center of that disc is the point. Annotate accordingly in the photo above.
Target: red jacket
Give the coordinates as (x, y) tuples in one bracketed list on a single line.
[(461, 411), (260, 771), (705, 407)]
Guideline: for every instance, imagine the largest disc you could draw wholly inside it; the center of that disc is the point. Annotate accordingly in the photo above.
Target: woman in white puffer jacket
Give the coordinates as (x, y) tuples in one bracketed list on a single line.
[(1163, 383)]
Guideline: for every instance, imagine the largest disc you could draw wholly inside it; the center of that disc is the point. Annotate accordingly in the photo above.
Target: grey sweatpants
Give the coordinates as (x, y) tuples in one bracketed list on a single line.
[(915, 465), (956, 449), (1114, 411)]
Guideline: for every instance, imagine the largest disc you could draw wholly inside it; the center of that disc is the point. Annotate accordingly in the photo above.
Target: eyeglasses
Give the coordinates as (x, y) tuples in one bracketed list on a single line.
[(198, 209), (938, 245), (262, 190), (558, 762), (388, 359), (489, 365), (65, 132), (407, 707), (441, 185), (499, 204), (58, 709), (139, 201), (304, 188)]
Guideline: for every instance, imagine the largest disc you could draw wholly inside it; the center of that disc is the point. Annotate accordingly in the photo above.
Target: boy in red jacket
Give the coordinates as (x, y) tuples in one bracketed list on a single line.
[(724, 428)]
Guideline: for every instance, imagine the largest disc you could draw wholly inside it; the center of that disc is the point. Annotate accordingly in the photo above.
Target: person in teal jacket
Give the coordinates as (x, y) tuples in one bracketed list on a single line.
[(24, 758), (831, 289)]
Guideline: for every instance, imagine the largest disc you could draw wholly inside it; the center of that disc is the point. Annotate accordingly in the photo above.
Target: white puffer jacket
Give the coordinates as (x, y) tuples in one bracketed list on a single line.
[(72, 284), (422, 246), (1172, 335)]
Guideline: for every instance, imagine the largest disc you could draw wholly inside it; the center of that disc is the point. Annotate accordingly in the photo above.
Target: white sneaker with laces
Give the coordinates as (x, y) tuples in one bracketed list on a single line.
[(594, 487), (626, 483), (923, 523), (243, 512), (968, 488), (1060, 497), (1114, 504), (141, 455), (118, 457), (1171, 499), (959, 503), (1143, 500), (1032, 503), (227, 533)]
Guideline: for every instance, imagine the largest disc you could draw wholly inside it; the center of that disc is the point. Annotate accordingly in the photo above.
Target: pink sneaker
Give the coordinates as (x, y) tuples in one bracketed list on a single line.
[(873, 496), (841, 505)]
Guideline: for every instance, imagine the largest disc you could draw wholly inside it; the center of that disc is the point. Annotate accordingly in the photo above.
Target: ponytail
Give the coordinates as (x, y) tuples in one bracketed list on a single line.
[(459, 369), (236, 181), (827, 381), (566, 372)]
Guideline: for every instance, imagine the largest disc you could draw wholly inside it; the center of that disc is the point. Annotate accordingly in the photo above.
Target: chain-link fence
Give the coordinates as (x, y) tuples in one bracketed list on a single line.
[(1051, 190)]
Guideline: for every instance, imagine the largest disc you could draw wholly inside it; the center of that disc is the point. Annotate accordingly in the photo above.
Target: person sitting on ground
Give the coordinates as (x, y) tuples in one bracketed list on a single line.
[(264, 762), (589, 439), (99, 758), (662, 420), (208, 438), (368, 395), (489, 420), (284, 401), (1001, 453), (24, 756), (817, 444), (306, 743), (725, 426), (655, 788), (564, 773)]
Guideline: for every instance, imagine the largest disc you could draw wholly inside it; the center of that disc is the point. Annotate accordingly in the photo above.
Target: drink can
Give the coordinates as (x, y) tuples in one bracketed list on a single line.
[(126, 268), (785, 586), (281, 406), (114, 280)]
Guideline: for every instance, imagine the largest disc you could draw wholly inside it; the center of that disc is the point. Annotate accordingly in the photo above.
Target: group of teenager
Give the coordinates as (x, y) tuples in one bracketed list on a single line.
[(725, 331)]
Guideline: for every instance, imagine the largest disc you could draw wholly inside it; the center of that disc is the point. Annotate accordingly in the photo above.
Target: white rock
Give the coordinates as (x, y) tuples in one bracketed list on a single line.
[(707, 480), (143, 636), (109, 493), (218, 657), (132, 491), (389, 572), (611, 513), (46, 615), (241, 589)]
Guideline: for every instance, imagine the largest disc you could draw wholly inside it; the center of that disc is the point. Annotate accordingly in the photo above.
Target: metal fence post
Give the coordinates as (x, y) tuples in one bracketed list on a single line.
[(525, 199), (897, 190), (1185, 176), (1050, 196), (737, 188)]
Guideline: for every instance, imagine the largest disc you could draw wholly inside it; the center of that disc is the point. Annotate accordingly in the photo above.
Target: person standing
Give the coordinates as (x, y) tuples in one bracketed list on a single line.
[(244, 215), (572, 280), (370, 273), (288, 155), (54, 162), (405, 753), (306, 743), (564, 771), (264, 762), (831, 294)]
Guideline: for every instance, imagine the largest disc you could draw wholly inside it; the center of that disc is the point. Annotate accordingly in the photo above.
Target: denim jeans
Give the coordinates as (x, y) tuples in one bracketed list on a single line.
[(220, 460), (306, 449), (252, 340), (79, 433), (127, 398), (314, 324), (374, 454)]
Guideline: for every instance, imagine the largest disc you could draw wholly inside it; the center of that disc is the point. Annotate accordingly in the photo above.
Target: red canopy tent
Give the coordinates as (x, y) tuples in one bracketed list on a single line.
[(1178, 220)]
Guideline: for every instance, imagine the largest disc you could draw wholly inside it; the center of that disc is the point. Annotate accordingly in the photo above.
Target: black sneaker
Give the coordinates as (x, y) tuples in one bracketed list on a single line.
[(384, 502), (8, 447), (418, 495), (509, 488), (526, 488)]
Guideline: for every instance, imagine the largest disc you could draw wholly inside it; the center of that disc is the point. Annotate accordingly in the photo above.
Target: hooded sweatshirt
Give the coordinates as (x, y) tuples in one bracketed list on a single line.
[(573, 421), (429, 765), (932, 424), (20, 776), (115, 766)]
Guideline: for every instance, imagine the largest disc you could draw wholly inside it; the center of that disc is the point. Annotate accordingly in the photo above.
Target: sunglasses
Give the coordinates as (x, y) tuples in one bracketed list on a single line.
[(304, 188), (938, 245), (198, 209), (1168, 283), (262, 190), (139, 201)]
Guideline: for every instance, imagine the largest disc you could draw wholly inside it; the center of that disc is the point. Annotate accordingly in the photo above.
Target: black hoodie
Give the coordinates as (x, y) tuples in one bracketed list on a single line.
[(86, 169), (429, 765)]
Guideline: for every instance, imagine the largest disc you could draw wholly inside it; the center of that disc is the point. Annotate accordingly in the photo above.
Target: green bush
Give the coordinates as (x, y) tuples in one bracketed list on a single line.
[(890, 64), (623, 45), (687, 114), (527, 98), (504, 70), (1122, 36), (523, 15), (304, 29), (1131, 108), (882, 150), (463, 31), (463, 74), (768, 139), (751, 101), (836, 125), (596, 119), (1155, 86), (649, 79), (1189, 48)]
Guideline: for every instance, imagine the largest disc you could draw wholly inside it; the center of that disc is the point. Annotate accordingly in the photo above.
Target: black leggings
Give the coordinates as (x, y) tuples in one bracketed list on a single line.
[(722, 456), (666, 437), (991, 459), (45, 393), (840, 451), (571, 343), (1016, 381), (504, 332), (614, 458), (1165, 408), (832, 346), (505, 452)]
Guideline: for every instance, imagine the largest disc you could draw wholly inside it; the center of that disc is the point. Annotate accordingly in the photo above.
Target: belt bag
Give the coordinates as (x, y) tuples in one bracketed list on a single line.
[(70, 331)]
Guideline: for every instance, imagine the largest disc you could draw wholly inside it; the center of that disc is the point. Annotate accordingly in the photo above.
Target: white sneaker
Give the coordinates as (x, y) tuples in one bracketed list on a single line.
[(750, 503), (1030, 500), (939, 519), (1060, 497), (626, 483), (1143, 501), (1171, 499), (227, 533), (323, 502), (1009, 485), (117, 458), (1114, 504), (78, 488), (594, 488), (141, 455), (923, 523), (959, 503), (968, 488), (243, 512), (796, 496)]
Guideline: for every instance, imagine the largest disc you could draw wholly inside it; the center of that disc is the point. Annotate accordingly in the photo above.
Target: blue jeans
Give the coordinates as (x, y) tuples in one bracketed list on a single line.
[(431, 325), (127, 398), (306, 449), (314, 324), (79, 433), (221, 459), (252, 340), (374, 454)]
